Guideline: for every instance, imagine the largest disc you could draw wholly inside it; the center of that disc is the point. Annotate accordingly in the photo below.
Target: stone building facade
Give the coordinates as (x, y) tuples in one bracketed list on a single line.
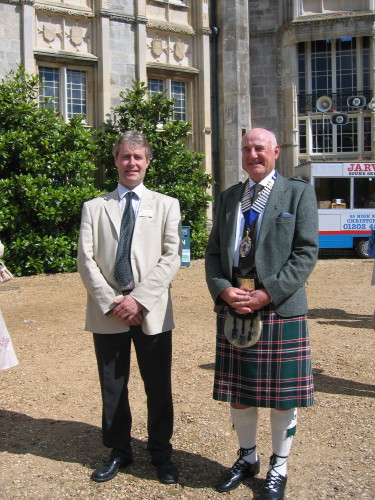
[(88, 51), (275, 59), (230, 66)]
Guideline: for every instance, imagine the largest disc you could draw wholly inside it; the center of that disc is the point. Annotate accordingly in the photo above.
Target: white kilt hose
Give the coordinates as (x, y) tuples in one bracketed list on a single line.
[(274, 373)]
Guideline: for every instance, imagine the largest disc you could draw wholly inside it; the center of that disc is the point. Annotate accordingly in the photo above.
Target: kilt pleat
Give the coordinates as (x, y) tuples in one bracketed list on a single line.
[(274, 373)]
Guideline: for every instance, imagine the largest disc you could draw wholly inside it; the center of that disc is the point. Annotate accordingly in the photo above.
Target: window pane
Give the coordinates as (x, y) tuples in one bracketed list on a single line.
[(50, 77), (302, 137), (321, 67), (366, 63), (328, 189), (367, 133), (155, 86), (76, 92), (322, 136), (347, 137), (178, 92), (346, 66), (364, 193), (301, 68)]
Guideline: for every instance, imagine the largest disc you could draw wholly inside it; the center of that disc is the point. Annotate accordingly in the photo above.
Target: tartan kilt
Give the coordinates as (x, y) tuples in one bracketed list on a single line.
[(274, 373)]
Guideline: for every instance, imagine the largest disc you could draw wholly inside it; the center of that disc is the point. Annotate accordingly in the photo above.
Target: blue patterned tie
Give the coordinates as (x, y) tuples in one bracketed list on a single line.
[(123, 272)]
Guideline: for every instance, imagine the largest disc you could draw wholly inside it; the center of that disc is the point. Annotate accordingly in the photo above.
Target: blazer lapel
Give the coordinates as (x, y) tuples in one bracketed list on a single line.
[(146, 210), (112, 207)]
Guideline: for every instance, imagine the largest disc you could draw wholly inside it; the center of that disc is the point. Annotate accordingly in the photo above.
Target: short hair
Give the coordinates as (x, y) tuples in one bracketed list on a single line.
[(136, 139), (274, 139)]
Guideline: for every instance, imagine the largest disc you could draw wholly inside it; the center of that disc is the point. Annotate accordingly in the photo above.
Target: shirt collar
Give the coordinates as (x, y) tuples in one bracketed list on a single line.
[(138, 190), (264, 181)]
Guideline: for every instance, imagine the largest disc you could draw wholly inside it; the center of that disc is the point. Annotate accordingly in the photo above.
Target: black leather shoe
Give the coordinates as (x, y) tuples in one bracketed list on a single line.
[(274, 487), (238, 472), (109, 469), (167, 472)]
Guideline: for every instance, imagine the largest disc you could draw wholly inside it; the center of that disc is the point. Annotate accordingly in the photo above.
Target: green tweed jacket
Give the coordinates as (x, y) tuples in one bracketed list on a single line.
[(286, 248)]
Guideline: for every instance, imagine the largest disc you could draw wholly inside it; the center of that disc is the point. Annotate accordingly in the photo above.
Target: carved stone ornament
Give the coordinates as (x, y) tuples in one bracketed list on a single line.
[(179, 50), (157, 46), (76, 35), (49, 32)]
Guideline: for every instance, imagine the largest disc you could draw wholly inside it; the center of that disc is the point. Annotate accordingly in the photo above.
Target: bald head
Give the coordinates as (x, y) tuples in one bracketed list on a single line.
[(259, 153)]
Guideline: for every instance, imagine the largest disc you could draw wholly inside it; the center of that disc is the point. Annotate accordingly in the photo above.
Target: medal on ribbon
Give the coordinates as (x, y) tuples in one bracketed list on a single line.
[(245, 245)]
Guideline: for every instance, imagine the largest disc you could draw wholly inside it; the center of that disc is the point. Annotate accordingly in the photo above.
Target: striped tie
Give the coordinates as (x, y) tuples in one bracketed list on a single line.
[(246, 264)]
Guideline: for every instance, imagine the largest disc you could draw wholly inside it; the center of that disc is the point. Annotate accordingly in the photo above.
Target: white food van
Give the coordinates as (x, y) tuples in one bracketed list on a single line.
[(346, 202)]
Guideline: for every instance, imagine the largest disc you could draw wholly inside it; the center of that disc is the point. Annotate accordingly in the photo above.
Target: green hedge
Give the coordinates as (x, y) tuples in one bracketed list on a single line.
[(47, 170)]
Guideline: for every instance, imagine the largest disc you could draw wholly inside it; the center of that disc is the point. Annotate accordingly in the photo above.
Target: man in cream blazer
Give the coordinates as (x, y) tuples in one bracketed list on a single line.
[(140, 312)]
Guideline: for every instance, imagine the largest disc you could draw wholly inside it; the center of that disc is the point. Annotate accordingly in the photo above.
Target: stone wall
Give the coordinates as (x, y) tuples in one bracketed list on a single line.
[(10, 35), (233, 75), (123, 70)]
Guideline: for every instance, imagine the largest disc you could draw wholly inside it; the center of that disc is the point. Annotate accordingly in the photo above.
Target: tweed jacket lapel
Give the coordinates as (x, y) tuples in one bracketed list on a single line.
[(273, 206), (233, 202)]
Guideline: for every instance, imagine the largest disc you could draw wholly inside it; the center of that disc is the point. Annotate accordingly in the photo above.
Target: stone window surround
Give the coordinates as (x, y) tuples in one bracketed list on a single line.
[(72, 63), (175, 3), (181, 76), (324, 7), (65, 7), (167, 88)]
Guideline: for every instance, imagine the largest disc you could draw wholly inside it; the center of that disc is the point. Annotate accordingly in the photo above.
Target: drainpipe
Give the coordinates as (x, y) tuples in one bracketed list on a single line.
[(214, 101)]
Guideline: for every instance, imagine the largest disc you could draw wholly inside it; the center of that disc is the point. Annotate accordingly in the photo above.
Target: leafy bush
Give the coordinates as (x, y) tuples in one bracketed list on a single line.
[(174, 170), (46, 173)]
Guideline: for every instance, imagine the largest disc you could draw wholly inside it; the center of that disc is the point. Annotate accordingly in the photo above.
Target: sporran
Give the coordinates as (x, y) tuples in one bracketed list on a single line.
[(242, 330)]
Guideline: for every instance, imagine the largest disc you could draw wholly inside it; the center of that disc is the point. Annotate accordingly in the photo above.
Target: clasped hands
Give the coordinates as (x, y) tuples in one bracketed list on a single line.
[(245, 301), (128, 310)]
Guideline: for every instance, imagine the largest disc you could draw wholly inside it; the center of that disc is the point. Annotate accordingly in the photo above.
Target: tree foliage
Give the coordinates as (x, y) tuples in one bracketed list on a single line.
[(46, 172), (47, 169), (174, 170)]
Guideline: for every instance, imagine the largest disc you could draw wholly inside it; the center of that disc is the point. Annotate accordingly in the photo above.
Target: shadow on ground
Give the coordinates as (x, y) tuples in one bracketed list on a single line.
[(334, 385), (78, 442), (340, 317)]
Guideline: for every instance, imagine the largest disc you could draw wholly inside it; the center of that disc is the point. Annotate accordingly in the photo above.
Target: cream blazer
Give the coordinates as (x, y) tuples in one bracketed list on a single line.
[(155, 258)]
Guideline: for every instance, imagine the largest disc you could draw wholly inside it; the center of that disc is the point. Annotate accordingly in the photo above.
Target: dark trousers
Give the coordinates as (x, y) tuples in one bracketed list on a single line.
[(154, 356)]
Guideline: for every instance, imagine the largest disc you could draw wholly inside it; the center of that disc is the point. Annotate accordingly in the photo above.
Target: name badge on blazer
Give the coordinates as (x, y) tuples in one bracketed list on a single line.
[(145, 213)]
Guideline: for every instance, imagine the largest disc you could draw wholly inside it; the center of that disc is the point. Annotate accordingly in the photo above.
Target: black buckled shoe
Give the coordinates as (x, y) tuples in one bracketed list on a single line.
[(109, 469), (167, 472), (238, 472), (274, 487)]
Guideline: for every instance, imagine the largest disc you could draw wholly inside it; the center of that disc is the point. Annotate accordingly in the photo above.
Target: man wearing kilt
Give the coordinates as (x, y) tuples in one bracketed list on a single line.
[(261, 250)]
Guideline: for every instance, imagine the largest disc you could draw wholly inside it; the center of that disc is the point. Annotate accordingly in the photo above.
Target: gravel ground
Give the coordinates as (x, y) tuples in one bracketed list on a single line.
[(50, 404)]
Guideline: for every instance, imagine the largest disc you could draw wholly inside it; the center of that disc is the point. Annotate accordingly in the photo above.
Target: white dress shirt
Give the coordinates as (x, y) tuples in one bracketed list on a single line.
[(138, 190)]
